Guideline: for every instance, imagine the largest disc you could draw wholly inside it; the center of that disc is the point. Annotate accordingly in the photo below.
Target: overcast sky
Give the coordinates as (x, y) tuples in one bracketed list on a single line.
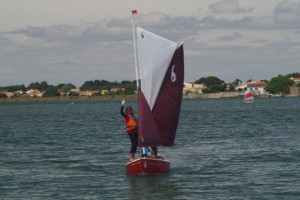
[(73, 41)]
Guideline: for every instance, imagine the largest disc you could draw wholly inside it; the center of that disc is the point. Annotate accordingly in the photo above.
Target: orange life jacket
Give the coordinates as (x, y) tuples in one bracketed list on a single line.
[(131, 124)]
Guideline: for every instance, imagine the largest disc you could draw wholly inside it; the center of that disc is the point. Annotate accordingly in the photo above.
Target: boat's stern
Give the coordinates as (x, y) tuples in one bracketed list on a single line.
[(148, 165)]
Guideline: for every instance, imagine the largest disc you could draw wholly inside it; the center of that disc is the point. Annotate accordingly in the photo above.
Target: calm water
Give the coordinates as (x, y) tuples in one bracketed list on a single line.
[(224, 149)]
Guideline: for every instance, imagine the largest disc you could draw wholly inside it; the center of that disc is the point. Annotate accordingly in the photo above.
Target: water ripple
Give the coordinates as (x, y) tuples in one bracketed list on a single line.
[(224, 149)]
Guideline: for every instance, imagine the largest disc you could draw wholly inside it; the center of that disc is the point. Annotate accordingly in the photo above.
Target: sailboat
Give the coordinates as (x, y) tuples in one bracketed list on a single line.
[(248, 98), (160, 76)]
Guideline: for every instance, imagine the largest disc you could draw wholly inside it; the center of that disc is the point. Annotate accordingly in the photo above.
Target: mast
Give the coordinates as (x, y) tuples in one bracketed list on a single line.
[(133, 12)]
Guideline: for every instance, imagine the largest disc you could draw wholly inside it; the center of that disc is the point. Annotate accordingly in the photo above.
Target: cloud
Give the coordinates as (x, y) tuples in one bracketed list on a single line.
[(287, 13), (65, 53), (228, 6), (175, 28), (244, 62), (252, 23), (212, 22), (114, 29), (102, 30), (231, 37)]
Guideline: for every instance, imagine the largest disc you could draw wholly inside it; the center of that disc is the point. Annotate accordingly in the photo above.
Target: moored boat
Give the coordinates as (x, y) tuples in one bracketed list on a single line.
[(248, 98)]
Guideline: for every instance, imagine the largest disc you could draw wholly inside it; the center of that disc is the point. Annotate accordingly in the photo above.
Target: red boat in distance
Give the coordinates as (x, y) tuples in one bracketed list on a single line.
[(148, 166), (248, 98)]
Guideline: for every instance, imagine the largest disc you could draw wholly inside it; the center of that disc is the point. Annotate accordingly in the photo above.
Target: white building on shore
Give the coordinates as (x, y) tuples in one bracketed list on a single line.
[(191, 87), (256, 87)]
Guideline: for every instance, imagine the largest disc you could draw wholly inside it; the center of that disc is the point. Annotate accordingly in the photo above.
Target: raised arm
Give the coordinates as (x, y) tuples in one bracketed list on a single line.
[(122, 108)]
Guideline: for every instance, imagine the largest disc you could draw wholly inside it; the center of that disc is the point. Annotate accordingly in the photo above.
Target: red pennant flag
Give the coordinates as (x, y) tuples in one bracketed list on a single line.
[(134, 12)]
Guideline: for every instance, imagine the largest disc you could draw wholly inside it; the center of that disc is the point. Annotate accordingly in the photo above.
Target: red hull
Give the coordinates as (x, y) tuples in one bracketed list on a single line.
[(148, 166)]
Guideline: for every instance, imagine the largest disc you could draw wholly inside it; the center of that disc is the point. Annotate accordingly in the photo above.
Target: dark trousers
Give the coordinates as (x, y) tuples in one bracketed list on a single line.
[(134, 141)]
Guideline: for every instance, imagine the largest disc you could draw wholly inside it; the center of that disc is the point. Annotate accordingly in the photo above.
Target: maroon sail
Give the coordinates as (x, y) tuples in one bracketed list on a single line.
[(148, 132), (167, 107), (161, 66)]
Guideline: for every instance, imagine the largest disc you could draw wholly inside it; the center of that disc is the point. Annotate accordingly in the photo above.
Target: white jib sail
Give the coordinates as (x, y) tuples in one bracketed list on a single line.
[(155, 54)]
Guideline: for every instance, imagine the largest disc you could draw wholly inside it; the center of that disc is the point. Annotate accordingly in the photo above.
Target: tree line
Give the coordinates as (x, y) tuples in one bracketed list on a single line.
[(279, 84), (52, 90), (129, 86)]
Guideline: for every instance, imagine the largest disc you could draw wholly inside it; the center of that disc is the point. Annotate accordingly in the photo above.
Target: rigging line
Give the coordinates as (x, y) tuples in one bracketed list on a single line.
[(135, 52)]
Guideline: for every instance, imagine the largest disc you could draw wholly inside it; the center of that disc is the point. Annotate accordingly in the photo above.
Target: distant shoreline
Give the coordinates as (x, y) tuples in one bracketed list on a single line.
[(221, 95), (65, 98)]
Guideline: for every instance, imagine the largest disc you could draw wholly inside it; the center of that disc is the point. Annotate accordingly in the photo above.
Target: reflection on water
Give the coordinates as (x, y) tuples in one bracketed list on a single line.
[(154, 185)]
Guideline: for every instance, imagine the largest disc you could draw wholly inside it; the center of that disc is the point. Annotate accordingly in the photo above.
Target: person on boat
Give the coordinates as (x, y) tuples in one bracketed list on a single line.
[(151, 152), (131, 128)]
